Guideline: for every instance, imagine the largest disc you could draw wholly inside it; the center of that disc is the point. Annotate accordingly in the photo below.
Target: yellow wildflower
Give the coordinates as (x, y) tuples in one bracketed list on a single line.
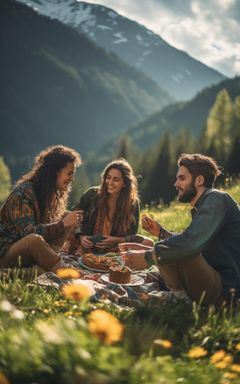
[(69, 313), (224, 363), (230, 375), (77, 313), (235, 368), (76, 291), (68, 273), (3, 379), (221, 365), (197, 352), (228, 359), (237, 346), (105, 326), (217, 356), (163, 343), (59, 303)]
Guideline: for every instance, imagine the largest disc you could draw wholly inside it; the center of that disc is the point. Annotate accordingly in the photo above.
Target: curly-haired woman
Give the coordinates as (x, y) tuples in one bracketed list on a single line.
[(33, 220), (111, 210)]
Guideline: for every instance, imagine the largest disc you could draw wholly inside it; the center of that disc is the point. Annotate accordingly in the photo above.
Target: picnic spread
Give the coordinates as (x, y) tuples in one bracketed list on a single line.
[(97, 271)]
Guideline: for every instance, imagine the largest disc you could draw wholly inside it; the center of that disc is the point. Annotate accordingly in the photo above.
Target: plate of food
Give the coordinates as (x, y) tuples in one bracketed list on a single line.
[(99, 263), (122, 275)]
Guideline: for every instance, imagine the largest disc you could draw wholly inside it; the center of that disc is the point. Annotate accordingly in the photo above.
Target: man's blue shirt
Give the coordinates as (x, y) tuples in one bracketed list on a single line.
[(215, 233)]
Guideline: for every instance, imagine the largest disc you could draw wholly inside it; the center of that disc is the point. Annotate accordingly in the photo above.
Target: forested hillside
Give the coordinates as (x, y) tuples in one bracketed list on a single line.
[(191, 115), (219, 138), (58, 87), (181, 123)]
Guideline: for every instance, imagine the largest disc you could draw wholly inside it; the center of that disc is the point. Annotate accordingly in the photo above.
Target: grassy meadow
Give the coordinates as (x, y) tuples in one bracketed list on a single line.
[(51, 336)]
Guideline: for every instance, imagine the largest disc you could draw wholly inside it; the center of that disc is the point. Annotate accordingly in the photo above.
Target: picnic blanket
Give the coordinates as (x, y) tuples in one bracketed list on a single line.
[(101, 290)]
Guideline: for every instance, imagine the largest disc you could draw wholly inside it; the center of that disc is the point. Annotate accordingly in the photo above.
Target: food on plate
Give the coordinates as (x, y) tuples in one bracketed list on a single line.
[(98, 262), (93, 276), (111, 254), (120, 274)]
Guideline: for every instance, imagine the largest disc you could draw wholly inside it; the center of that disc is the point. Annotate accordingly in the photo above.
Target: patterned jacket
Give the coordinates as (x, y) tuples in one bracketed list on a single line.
[(20, 216)]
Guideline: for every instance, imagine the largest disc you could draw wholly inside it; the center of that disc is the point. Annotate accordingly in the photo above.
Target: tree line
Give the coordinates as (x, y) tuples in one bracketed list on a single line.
[(219, 138)]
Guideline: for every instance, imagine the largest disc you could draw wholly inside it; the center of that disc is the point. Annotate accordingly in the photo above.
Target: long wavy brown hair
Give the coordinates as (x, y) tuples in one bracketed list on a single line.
[(43, 175), (127, 200)]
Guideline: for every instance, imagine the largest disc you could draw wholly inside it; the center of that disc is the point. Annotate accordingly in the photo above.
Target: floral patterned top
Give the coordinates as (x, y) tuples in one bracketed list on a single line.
[(20, 216)]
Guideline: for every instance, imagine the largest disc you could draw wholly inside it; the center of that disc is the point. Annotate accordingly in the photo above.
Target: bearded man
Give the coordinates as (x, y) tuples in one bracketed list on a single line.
[(202, 262)]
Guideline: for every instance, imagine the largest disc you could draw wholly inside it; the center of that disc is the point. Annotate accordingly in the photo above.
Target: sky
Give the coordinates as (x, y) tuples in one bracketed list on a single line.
[(208, 30)]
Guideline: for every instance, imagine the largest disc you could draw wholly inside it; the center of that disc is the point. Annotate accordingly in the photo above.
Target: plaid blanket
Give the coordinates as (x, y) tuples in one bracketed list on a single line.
[(102, 290)]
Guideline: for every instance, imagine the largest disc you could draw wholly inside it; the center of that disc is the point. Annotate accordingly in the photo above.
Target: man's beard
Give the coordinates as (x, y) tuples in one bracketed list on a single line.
[(189, 194)]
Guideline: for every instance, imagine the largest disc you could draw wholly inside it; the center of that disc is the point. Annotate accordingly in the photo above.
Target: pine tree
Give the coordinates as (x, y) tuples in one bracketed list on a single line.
[(218, 133), (123, 150), (80, 184), (160, 182), (5, 180), (233, 164), (144, 167), (184, 143), (237, 113)]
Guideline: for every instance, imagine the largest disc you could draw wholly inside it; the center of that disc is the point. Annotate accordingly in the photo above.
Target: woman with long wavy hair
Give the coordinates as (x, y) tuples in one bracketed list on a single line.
[(33, 220), (111, 210)]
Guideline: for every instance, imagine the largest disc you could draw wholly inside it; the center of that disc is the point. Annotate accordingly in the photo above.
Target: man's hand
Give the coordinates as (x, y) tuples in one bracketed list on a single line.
[(123, 247), (150, 225), (135, 259)]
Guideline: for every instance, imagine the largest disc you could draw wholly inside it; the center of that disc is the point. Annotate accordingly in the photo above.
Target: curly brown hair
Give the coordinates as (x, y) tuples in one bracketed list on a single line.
[(127, 200), (43, 175), (198, 164)]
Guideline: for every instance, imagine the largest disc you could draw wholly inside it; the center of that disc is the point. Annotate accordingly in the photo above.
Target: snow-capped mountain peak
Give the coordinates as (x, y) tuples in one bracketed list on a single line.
[(172, 69)]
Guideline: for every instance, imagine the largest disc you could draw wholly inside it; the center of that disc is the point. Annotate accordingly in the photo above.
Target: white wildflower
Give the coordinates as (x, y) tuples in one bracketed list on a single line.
[(17, 314), (5, 306), (50, 333)]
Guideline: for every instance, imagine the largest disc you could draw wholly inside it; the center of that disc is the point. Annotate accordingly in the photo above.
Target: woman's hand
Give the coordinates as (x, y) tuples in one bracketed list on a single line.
[(107, 242), (85, 242), (150, 225), (72, 219)]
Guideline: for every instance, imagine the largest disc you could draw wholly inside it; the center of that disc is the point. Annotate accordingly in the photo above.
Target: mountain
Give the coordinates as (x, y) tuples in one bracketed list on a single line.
[(191, 115), (173, 69), (59, 87)]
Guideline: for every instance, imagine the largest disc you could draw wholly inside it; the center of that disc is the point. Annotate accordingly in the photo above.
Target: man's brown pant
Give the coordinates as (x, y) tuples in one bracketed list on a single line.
[(195, 276), (33, 250)]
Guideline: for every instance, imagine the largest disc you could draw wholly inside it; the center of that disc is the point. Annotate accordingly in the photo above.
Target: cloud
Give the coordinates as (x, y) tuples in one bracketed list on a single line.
[(209, 35), (208, 32)]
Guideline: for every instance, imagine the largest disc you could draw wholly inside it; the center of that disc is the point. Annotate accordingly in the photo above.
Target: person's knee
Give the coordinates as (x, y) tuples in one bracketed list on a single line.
[(195, 261), (33, 240)]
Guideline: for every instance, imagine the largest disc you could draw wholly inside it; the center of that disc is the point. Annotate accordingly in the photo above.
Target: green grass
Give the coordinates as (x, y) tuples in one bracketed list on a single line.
[(45, 337), (176, 217)]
